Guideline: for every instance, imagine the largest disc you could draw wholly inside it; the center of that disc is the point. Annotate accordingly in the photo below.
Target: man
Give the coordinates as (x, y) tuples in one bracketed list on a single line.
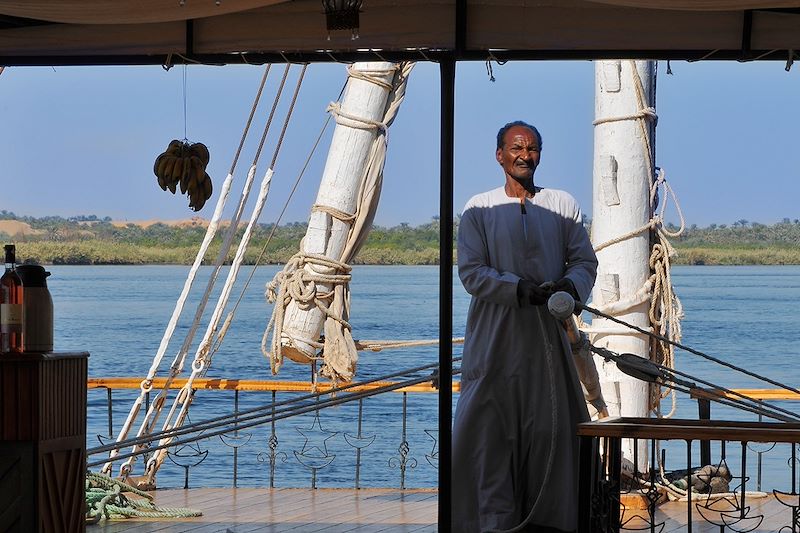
[(515, 449)]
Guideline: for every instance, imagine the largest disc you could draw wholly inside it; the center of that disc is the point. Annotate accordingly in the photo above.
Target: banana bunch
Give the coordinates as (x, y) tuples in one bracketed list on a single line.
[(183, 165)]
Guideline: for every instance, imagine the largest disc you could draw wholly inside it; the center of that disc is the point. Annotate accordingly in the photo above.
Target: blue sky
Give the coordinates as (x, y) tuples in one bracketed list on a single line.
[(82, 140)]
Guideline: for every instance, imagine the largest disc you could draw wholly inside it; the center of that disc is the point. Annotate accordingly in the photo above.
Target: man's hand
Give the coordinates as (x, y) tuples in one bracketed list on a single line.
[(529, 293)]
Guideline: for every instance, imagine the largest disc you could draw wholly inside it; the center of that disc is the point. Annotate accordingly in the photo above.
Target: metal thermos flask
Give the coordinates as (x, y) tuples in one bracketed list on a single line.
[(38, 309)]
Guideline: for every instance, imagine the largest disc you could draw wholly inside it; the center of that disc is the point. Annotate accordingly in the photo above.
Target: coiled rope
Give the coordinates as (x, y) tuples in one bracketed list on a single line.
[(106, 499)]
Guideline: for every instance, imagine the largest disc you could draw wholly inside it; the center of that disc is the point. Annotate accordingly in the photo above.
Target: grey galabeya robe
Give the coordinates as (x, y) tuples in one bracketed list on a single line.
[(515, 449)]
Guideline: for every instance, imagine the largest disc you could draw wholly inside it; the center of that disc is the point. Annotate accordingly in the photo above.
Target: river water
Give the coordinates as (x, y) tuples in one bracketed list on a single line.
[(743, 315)]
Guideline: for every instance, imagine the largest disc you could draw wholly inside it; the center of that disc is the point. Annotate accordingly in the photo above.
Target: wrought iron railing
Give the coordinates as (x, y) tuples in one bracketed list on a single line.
[(606, 481), (312, 454)]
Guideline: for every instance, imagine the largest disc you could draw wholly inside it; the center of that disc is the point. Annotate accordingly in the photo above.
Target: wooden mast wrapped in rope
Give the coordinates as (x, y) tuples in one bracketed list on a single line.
[(312, 291)]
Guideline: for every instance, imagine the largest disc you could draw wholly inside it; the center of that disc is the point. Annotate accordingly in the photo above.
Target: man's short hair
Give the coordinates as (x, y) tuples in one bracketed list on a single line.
[(502, 133)]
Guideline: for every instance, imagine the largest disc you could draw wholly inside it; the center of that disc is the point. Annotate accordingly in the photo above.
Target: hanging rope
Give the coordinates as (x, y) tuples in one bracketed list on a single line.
[(665, 309), (106, 499), (316, 281)]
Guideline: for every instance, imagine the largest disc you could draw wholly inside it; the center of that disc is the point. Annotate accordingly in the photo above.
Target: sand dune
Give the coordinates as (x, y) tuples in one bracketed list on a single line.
[(14, 228)]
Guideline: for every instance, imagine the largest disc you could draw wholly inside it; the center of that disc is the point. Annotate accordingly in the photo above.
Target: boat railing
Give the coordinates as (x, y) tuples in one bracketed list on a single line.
[(271, 455), (705, 396), (616, 495), (402, 459)]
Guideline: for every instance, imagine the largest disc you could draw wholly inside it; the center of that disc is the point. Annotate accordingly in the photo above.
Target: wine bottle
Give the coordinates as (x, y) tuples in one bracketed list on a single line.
[(11, 308)]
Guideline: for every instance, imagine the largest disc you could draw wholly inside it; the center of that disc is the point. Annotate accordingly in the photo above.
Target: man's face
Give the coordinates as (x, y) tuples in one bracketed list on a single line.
[(520, 153)]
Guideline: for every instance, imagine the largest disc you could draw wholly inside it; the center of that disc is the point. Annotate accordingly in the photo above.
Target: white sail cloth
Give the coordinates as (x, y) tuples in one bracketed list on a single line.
[(515, 449)]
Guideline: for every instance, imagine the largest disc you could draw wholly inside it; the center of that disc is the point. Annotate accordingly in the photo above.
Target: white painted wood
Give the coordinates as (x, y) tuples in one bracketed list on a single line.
[(620, 205), (344, 169)]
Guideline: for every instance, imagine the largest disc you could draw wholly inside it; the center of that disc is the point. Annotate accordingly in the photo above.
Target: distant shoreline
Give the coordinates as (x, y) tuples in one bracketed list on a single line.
[(58, 241), (95, 253)]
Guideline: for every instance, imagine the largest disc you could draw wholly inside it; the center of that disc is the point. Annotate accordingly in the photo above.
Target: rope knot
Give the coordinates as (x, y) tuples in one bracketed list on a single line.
[(353, 121), (649, 113)]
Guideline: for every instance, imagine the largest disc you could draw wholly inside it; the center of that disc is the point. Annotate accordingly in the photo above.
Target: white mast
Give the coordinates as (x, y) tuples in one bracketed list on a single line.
[(622, 176), (311, 292)]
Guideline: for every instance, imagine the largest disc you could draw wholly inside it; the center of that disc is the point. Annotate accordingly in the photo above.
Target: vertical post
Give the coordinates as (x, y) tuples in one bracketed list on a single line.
[(689, 487), (273, 445), (623, 172), (704, 413), (404, 444), (358, 449), (236, 434), (447, 70), (588, 481), (615, 483), (651, 505), (742, 504), (110, 412)]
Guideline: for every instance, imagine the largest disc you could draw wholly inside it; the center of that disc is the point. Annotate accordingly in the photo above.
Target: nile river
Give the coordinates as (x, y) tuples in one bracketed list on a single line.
[(744, 315)]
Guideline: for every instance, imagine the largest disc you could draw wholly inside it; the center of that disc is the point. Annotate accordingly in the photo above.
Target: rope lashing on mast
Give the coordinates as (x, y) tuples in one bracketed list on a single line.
[(665, 308), (313, 280)]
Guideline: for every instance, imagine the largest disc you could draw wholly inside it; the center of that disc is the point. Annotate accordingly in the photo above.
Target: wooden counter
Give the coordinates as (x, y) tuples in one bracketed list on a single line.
[(42, 441)]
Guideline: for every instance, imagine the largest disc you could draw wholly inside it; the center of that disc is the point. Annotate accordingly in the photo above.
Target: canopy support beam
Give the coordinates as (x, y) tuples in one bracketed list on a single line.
[(447, 70), (190, 37), (747, 34)]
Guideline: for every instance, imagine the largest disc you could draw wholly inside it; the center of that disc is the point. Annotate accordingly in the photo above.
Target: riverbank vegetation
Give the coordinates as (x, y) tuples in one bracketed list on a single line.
[(91, 240)]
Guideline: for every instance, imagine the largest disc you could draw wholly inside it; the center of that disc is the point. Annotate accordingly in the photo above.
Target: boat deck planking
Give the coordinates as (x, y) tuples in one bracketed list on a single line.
[(246, 510), (290, 510)]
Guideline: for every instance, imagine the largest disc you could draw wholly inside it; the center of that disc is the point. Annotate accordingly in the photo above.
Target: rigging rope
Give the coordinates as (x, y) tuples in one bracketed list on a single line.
[(204, 353), (146, 385), (689, 349)]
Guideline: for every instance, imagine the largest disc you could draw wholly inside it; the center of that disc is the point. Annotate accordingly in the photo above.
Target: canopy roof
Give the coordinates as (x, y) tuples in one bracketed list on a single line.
[(65, 32)]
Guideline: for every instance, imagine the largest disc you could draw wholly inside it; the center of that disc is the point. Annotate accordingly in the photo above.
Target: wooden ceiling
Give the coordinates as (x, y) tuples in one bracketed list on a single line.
[(85, 32)]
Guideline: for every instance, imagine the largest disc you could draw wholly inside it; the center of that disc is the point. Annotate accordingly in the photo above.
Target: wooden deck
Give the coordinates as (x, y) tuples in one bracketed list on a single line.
[(291, 510), (365, 510)]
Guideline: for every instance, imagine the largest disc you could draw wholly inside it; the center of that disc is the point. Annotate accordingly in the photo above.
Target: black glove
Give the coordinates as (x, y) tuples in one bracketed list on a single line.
[(566, 285), (529, 293)]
